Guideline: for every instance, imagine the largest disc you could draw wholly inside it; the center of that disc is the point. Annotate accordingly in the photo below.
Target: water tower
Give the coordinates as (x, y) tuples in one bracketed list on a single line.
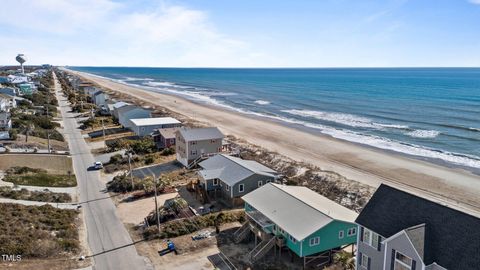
[(21, 59)]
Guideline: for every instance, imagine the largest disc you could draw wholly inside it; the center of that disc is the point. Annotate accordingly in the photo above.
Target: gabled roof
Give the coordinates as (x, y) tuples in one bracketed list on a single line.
[(119, 104), (232, 170), (298, 210), (154, 121), (167, 133), (452, 238), (200, 134), (129, 107)]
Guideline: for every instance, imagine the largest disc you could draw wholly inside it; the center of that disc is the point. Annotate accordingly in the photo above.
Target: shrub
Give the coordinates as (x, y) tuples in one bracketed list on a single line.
[(149, 159), (189, 225), (168, 151)]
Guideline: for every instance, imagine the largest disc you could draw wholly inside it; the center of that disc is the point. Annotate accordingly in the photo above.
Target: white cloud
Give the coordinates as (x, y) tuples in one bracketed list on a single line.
[(476, 2), (101, 32)]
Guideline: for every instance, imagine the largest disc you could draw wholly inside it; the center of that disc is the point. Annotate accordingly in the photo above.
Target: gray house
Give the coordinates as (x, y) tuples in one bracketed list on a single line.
[(196, 143), (229, 178), (129, 112), (113, 108), (99, 98), (401, 231)]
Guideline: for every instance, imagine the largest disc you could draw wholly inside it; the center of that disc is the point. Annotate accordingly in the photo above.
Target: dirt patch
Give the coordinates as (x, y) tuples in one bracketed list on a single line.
[(55, 164), (134, 212)]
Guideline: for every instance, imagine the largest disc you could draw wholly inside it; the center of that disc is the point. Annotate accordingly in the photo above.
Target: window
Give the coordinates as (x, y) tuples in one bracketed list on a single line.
[(281, 230), (341, 234), (370, 238), (193, 152), (215, 182), (364, 261), (315, 241), (367, 236), (193, 142), (402, 262), (241, 188), (352, 231), (292, 239), (213, 141), (260, 183), (227, 187)]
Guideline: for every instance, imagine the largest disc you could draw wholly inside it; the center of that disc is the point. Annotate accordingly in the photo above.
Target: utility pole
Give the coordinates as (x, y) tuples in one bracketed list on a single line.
[(48, 141), (103, 128), (130, 167), (156, 204)]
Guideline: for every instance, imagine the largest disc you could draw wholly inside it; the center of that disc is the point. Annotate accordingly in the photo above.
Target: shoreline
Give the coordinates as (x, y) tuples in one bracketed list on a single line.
[(364, 164)]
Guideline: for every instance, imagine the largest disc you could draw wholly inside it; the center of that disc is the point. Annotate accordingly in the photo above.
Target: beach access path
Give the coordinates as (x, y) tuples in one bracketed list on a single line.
[(110, 244), (457, 187)]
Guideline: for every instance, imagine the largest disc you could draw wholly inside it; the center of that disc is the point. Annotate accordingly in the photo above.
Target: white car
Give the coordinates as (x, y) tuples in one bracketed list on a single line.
[(98, 165)]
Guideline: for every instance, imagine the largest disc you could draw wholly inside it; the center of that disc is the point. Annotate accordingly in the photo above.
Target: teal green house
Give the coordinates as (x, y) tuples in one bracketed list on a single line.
[(296, 218), (26, 88)]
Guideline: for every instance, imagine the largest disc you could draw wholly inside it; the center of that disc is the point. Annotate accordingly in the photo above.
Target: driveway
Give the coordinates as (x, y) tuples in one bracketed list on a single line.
[(157, 169)]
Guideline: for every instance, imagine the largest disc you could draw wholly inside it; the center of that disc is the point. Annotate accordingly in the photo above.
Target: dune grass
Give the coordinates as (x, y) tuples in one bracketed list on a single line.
[(42, 180), (37, 231)]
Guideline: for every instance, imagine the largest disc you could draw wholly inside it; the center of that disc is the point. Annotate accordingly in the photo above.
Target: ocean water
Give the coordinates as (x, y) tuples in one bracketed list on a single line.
[(428, 113)]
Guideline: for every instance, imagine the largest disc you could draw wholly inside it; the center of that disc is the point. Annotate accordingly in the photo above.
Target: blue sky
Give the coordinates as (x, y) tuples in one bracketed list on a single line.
[(242, 33)]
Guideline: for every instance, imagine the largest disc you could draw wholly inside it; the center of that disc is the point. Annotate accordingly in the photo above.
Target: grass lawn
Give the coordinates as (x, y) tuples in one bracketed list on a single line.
[(38, 231), (42, 179)]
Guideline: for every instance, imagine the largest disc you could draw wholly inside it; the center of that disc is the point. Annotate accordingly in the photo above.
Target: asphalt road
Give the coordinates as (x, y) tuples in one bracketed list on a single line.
[(110, 244)]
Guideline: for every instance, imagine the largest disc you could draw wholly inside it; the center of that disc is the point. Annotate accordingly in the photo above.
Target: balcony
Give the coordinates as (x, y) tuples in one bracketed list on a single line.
[(260, 221)]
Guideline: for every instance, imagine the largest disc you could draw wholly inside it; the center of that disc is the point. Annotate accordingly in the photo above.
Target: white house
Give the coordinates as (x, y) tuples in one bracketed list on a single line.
[(7, 102), (146, 126), (5, 121), (129, 112)]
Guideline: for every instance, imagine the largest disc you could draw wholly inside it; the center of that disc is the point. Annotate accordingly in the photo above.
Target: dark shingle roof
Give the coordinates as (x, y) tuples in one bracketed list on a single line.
[(452, 238)]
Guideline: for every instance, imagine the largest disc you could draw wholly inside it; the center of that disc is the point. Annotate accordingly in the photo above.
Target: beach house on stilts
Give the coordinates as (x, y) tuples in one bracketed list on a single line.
[(297, 219)]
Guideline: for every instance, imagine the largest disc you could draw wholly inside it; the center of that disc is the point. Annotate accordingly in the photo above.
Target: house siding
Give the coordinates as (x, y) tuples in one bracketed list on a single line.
[(148, 129), (329, 237), (188, 152), (124, 117), (376, 257), (402, 244), (250, 183)]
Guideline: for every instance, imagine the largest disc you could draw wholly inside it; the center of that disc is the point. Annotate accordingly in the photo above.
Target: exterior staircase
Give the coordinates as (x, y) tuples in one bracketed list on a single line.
[(241, 233), (262, 249)]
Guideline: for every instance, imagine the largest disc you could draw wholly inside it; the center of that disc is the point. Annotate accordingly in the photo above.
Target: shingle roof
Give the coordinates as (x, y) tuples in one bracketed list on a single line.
[(232, 170), (452, 238), (298, 210), (200, 134)]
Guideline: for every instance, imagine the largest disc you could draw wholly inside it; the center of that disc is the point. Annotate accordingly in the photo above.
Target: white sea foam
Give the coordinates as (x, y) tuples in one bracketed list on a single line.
[(261, 102), (129, 79), (419, 133), (474, 129), (159, 84), (344, 119)]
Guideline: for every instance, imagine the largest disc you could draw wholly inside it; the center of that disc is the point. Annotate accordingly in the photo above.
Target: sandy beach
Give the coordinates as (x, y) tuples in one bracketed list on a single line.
[(459, 188)]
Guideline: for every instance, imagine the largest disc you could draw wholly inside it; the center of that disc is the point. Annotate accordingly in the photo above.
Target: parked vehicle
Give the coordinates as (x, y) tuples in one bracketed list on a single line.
[(97, 165)]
